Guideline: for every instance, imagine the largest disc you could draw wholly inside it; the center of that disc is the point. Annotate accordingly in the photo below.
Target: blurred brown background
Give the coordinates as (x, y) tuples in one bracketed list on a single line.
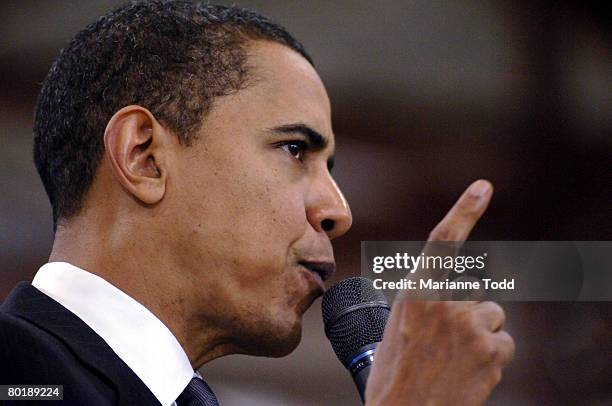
[(427, 96)]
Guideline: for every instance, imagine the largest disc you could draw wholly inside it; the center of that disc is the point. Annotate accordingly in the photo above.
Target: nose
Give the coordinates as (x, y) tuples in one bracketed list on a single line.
[(327, 210)]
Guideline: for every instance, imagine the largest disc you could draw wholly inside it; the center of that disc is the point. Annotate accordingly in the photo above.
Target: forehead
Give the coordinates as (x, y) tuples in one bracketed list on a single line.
[(287, 87)]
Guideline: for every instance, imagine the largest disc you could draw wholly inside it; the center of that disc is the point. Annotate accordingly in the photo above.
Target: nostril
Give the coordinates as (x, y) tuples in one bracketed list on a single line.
[(327, 225)]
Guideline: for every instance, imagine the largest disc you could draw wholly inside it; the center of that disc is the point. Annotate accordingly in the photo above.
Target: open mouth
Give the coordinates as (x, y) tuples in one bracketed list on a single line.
[(322, 268)]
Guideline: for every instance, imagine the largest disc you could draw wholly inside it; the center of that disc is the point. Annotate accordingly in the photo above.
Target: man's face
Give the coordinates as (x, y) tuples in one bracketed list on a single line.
[(257, 206)]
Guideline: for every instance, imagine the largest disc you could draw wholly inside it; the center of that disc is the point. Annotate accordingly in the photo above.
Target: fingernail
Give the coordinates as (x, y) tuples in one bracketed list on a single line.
[(479, 188)]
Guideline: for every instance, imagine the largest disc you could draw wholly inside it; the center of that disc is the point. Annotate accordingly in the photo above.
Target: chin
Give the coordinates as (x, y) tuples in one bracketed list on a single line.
[(272, 339)]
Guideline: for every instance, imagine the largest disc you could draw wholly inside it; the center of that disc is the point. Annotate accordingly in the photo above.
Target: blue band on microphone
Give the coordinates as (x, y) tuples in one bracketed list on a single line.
[(359, 357)]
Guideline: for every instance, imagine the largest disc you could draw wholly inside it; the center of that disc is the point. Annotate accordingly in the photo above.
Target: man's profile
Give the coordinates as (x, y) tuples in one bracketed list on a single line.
[(186, 150)]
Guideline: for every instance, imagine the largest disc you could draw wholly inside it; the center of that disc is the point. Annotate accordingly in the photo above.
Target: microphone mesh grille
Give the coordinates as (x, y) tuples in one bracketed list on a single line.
[(359, 327)]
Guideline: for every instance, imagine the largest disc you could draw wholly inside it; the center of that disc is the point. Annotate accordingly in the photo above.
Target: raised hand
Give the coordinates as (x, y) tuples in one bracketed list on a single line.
[(442, 352)]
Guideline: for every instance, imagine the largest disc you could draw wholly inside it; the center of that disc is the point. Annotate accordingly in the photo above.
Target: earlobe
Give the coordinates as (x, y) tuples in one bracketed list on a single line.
[(135, 146)]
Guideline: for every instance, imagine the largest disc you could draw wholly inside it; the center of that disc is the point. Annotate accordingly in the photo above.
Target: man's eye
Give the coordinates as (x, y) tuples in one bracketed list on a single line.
[(295, 148)]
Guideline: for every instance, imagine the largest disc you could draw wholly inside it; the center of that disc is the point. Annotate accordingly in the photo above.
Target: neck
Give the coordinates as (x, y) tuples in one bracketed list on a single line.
[(132, 261)]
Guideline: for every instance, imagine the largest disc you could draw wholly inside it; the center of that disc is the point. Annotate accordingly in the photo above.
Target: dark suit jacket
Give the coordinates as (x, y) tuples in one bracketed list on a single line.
[(41, 342)]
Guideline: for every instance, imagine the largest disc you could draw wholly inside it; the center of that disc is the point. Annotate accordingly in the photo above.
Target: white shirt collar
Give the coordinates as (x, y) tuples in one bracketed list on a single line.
[(139, 338)]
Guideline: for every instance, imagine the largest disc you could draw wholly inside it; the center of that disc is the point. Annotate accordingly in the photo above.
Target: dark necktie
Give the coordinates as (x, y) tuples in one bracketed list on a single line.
[(197, 393)]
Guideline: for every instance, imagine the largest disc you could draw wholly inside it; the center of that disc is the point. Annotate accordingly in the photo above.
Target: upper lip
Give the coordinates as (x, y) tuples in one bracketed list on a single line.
[(325, 269)]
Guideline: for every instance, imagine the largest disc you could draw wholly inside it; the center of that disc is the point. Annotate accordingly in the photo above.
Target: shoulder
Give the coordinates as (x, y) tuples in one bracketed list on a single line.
[(29, 355), (28, 349)]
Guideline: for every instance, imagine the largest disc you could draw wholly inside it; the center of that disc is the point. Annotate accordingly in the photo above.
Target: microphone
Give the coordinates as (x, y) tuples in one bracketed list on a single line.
[(354, 315)]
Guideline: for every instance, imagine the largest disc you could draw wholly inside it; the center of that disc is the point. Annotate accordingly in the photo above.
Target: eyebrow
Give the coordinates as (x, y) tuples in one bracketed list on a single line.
[(317, 141)]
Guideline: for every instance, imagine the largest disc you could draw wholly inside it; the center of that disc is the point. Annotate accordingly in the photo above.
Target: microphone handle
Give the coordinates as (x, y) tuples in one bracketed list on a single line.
[(359, 365)]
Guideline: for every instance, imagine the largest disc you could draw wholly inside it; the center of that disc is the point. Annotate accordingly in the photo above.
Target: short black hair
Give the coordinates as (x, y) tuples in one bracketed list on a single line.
[(171, 57)]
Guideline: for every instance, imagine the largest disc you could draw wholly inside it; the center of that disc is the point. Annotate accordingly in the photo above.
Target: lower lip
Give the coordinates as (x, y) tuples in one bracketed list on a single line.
[(314, 277)]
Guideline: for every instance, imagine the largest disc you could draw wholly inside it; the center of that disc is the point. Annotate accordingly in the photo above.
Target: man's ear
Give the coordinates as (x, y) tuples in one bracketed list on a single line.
[(136, 146)]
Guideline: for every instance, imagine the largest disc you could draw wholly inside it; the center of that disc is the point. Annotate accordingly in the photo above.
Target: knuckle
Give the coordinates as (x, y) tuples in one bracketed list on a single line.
[(467, 320), (499, 311), (496, 376), (405, 316), (443, 311), (485, 347), (404, 333), (494, 354), (442, 306), (442, 232), (468, 206), (439, 317)]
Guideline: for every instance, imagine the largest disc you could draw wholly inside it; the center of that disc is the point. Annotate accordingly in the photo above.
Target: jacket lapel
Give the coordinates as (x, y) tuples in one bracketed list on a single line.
[(29, 303)]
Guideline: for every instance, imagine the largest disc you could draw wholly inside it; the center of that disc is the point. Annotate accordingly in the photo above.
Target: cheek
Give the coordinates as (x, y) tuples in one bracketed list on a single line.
[(257, 219), (269, 207), (245, 217), (267, 230)]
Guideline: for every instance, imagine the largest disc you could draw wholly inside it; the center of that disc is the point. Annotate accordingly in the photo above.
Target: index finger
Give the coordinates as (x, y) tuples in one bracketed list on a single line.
[(462, 217), (448, 236)]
